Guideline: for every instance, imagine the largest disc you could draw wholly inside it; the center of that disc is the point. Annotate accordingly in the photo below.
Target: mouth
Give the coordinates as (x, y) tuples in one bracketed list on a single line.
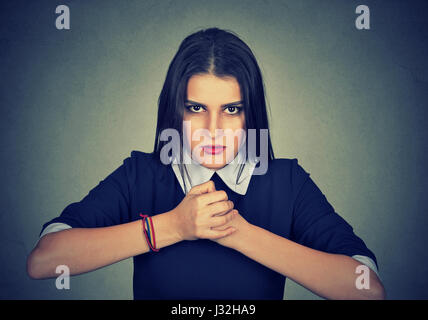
[(217, 149)]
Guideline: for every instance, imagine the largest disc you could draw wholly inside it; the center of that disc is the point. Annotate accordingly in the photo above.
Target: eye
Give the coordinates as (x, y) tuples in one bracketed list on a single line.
[(233, 109), (195, 109)]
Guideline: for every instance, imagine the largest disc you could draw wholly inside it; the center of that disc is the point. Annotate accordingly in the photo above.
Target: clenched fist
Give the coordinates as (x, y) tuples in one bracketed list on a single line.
[(202, 210)]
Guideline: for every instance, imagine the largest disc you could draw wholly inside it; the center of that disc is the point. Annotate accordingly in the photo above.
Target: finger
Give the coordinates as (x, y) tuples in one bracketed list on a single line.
[(218, 208), (213, 197), (219, 221), (203, 188), (217, 234)]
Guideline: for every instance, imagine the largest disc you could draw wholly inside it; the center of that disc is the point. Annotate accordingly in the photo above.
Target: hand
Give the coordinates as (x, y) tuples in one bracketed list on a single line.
[(239, 224), (203, 209)]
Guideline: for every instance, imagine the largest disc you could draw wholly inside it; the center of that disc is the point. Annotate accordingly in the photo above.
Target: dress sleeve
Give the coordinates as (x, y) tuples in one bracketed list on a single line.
[(106, 204), (315, 222)]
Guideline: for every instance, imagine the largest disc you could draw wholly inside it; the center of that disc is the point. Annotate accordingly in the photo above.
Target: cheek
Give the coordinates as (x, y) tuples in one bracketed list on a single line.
[(238, 127), (195, 125)]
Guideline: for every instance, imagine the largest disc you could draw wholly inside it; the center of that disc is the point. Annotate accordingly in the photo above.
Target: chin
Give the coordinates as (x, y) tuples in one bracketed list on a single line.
[(213, 166)]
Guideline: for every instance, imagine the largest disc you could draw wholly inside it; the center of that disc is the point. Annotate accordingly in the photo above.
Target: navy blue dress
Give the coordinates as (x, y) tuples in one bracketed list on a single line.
[(284, 201)]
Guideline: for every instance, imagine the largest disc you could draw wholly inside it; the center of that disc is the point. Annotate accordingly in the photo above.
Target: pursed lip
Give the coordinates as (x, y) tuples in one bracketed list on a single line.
[(217, 146), (214, 149)]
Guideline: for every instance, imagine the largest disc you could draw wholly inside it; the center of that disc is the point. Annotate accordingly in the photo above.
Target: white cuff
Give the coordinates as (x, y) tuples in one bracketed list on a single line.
[(368, 262)]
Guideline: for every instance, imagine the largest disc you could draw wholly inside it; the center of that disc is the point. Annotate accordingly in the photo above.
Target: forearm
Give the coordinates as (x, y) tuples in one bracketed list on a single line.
[(331, 276), (86, 249)]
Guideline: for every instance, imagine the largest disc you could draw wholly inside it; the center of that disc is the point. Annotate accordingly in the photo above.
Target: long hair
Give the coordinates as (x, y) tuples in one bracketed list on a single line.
[(223, 54)]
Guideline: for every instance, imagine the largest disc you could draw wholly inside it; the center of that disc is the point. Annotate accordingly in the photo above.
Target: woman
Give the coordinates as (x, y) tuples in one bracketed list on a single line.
[(218, 222)]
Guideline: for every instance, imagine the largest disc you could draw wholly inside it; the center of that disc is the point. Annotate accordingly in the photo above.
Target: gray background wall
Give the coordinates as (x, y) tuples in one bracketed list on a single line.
[(349, 104)]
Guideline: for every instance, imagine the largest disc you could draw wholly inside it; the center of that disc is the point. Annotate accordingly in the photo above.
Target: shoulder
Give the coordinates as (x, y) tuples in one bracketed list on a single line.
[(138, 157), (141, 164), (289, 170), (290, 166), (146, 163)]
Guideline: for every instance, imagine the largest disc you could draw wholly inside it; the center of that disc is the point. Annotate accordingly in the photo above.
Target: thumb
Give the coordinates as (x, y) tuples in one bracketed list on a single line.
[(205, 187)]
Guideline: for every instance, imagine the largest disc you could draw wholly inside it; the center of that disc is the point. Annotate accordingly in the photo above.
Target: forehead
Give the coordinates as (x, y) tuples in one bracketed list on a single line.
[(210, 89)]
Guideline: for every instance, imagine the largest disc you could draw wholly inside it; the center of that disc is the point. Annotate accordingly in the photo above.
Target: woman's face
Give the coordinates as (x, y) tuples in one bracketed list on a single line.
[(215, 113)]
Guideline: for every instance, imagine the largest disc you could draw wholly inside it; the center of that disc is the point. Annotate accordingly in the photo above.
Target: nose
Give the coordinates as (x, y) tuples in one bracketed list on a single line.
[(214, 122)]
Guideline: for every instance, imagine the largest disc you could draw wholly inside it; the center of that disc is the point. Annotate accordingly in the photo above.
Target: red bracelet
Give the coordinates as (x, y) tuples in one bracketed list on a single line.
[(150, 233)]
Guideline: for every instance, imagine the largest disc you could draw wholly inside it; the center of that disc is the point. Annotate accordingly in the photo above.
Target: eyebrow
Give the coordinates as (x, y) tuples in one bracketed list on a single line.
[(223, 105)]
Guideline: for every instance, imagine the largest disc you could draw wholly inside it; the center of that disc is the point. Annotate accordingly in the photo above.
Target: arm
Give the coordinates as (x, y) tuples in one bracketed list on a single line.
[(86, 249), (328, 275), (317, 253)]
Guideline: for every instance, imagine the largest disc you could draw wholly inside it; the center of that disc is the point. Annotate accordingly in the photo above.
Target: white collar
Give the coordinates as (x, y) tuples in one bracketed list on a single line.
[(200, 174)]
